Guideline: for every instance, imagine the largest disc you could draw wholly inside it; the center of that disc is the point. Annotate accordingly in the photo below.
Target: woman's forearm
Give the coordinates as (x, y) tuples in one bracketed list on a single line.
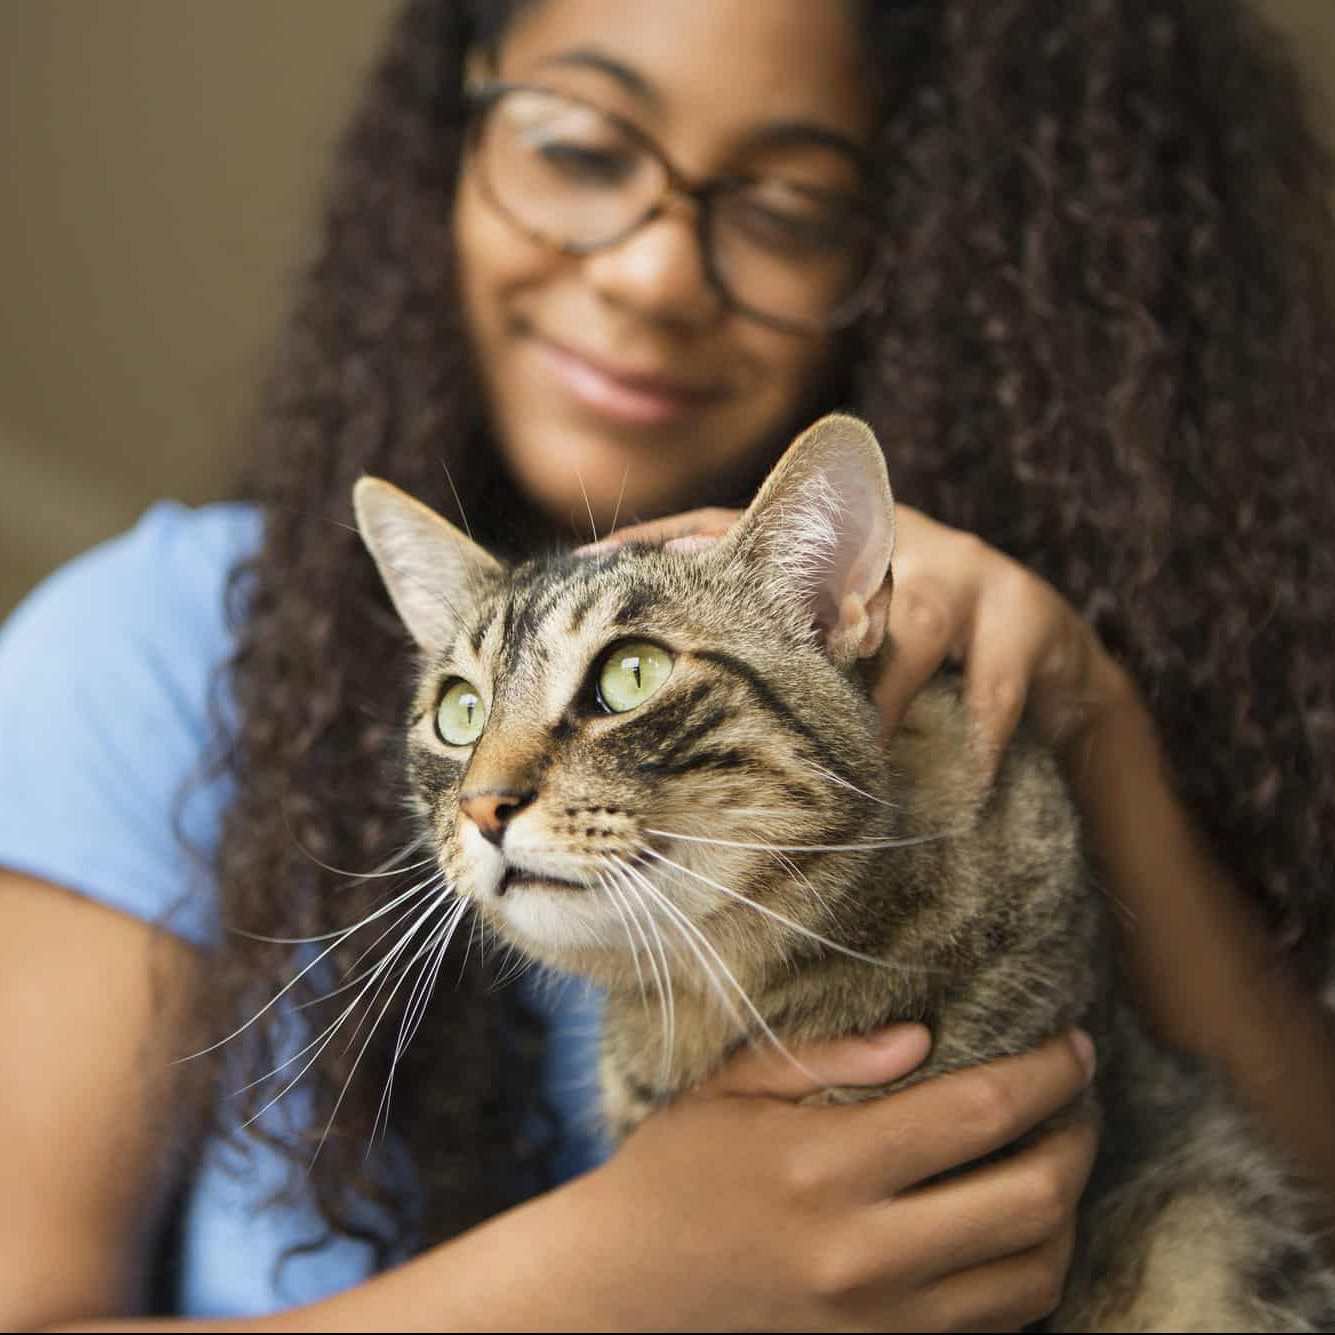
[(538, 1267), (1196, 951)]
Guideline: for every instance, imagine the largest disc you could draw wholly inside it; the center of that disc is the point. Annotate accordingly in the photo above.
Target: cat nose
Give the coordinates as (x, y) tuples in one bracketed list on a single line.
[(491, 811)]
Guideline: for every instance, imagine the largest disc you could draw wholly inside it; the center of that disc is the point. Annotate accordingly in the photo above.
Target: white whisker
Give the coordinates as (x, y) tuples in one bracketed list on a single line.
[(292, 982), (398, 949), (593, 527), (630, 939), (852, 787), (625, 475), (328, 1033), (666, 999), (684, 921), (865, 846), (415, 1009), (788, 922)]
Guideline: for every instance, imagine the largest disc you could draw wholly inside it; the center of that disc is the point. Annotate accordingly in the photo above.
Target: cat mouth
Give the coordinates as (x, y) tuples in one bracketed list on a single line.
[(521, 878)]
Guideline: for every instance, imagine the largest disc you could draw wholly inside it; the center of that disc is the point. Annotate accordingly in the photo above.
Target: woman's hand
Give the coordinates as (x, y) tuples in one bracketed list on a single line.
[(1020, 643), (738, 1208)]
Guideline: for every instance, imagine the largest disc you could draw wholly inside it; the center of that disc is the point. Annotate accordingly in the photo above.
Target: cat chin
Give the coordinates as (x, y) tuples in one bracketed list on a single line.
[(548, 923)]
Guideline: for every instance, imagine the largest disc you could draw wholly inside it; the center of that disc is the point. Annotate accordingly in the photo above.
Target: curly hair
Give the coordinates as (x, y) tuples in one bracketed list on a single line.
[(1104, 345)]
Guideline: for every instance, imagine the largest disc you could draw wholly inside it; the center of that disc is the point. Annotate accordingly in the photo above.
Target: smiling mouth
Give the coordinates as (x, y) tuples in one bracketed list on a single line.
[(631, 396), (519, 878)]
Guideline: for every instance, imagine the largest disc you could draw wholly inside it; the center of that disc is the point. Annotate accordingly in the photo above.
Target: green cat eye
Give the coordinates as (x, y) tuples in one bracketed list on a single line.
[(460, 714), (631, 672)]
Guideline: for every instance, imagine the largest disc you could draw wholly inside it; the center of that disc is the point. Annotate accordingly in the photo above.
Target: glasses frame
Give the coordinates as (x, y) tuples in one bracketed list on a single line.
[(483, 98)]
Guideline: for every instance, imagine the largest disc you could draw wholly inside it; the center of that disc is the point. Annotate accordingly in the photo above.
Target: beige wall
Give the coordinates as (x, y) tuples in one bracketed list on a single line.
[(158, 159)]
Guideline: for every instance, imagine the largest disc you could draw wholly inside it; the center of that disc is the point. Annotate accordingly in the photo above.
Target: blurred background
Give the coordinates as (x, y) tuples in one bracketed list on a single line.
[(160, 162)]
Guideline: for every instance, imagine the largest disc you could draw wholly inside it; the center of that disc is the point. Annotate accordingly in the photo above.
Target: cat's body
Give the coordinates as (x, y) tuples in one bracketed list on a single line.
[(661, 769)]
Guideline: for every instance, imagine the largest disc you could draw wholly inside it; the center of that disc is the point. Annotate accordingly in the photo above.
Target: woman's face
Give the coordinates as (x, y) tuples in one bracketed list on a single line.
[(622, 373)]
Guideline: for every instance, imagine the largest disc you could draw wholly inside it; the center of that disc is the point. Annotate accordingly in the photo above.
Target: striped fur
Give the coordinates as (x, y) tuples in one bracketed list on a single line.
[(739, 860)]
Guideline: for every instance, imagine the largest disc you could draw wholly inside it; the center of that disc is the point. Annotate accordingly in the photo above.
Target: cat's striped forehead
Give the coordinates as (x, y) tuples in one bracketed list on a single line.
[(548, 618)]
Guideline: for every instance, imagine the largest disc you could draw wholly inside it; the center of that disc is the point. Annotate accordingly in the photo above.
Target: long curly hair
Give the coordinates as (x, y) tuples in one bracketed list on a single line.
[(1104, 344)]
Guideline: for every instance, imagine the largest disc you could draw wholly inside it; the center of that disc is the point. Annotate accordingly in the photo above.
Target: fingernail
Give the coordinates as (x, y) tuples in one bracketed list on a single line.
[(1084, 1050), (693, 542), (593, 548), (904, 1040)]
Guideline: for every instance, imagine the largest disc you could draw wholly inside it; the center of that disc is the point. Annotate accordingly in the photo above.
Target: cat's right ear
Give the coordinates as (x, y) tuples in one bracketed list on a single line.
[(432, 571)]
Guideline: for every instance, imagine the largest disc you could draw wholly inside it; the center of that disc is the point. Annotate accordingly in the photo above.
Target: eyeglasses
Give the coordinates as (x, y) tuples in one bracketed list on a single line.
[(579, 179)]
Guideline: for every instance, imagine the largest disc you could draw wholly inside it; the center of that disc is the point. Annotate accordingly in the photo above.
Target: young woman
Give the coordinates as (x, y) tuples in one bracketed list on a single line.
[(1066, 256)]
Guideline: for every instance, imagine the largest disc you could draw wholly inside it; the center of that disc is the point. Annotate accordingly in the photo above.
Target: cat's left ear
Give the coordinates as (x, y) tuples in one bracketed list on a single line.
[(433, 572), (823, 527)]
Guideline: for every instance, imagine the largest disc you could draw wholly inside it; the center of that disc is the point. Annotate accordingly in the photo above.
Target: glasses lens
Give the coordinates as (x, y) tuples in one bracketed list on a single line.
[(564, 170), (795, 255)]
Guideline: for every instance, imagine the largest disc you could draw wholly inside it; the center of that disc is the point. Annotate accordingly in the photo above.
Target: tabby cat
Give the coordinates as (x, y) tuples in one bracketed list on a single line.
[(658, 767)]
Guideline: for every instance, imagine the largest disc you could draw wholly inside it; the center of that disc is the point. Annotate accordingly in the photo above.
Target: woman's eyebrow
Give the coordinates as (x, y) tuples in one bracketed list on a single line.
[(775, 134), (806, 134), (589, 57)]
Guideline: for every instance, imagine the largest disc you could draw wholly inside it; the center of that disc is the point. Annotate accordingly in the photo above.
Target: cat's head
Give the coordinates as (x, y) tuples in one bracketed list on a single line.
[(644, 738)]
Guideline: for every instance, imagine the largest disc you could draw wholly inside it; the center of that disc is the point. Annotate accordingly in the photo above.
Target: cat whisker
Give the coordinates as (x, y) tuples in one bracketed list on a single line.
[(666, 1000), (844, 783), (415, 1009), (327, 1035), (430, 590), (397, 950), (684, 921), (592, 526), (454, 491), (514, 965), (616, 903), (863, 846), (356, 978), (789, 923), (616, 510), (635, 884), (339, 938), (386, 868)]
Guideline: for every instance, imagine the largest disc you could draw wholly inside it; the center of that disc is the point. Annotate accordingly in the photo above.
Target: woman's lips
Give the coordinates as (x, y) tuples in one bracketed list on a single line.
[(630, 396)]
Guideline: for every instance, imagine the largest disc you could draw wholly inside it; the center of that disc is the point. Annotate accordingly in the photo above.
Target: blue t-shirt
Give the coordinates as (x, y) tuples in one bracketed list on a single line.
[(106, 673)]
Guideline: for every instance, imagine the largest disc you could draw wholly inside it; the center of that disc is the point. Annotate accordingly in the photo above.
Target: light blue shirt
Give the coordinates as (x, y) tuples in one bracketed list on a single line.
[(106, 672)]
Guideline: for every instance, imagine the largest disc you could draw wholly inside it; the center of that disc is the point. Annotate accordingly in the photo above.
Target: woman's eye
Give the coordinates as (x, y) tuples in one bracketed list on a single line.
[(789, 231), (460, 716), (587, 164), (630, 673)]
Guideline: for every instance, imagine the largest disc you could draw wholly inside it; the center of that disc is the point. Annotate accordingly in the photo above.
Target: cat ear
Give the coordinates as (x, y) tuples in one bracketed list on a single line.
[(432, 571), (823, 526)]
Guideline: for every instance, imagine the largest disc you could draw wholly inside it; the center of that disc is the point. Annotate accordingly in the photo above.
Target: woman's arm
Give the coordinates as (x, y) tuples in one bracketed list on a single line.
[(1196, 950)]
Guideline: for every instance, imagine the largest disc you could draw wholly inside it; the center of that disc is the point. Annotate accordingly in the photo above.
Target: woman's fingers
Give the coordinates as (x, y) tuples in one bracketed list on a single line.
[(927, 614), (1005, 1295), (708, 523), (1035, 1191), (878, 1059), (917, 1133)]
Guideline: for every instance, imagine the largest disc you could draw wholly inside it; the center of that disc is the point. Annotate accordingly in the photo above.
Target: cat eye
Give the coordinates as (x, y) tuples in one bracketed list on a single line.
[(460, 715), (630, 673)]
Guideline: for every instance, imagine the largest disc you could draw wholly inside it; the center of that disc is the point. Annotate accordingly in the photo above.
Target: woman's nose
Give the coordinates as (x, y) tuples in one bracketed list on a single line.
[(658, 271)]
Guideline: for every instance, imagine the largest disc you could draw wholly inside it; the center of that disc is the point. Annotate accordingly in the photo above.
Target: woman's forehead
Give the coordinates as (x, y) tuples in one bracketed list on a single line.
[(709, 73)]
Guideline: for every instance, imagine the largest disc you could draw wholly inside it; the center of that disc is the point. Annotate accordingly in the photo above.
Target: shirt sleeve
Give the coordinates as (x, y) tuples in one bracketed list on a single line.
[(107, 675)]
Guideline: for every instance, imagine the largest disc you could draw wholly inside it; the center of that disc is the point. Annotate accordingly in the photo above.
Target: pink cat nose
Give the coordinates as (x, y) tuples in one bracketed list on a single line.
[(491, 812)]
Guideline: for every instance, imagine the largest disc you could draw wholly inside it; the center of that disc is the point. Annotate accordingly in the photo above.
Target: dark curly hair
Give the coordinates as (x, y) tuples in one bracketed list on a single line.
[(1105, 345)]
